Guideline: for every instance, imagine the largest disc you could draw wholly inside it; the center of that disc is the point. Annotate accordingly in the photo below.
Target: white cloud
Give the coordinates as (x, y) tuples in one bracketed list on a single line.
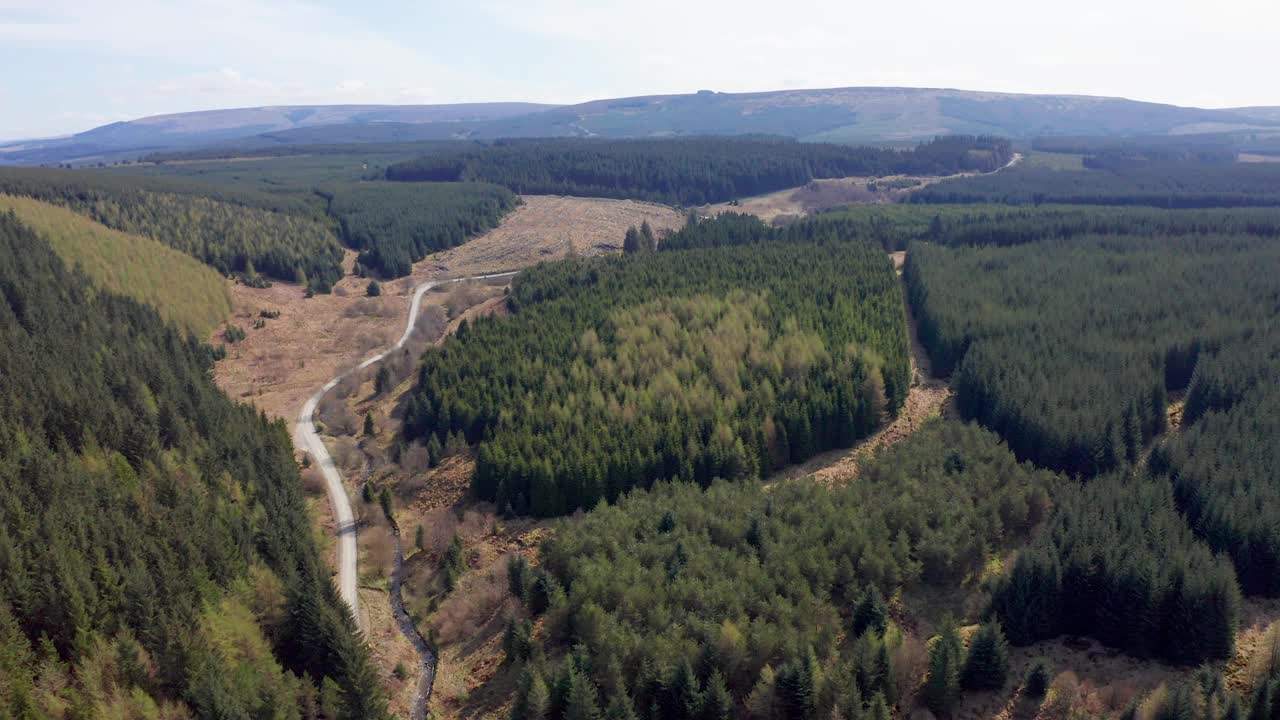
[(176, 55)]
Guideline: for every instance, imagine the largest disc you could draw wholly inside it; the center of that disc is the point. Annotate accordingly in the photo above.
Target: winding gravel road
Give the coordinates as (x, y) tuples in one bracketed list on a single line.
[(306, 437)]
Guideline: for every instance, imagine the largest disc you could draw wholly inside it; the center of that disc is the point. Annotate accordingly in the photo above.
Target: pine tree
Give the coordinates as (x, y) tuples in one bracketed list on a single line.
[(455, 563), (582, 702), (986, 666), (877, 709), (420, 538), (435, 452), (533, 697), (682, 696), (374, 289), (384, 499), (717, 703), (620, 708), (631, 242), (871, 612), (1038, 678), (647, 239), (369, 430), (382, 381), (942, 688), (797, 688)]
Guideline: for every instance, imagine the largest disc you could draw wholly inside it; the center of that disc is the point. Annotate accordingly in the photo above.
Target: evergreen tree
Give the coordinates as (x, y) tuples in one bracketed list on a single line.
[(942, 688), (533, 698), (1039, 675), (797, 688), (717, 703), (455, 562), (986, 665), (877, 709), (681, 694), (373, 289), (582, 702), (369, 430), (631, 242), (382, 381), (871, 613), (620, 708)]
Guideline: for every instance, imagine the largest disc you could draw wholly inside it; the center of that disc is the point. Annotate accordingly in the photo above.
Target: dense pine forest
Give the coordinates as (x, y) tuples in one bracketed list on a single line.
[(719, 362), (249, 233), (743, 600), (1164, 184), (156, 559), (690, 171), (1075, 373), (394, 225)]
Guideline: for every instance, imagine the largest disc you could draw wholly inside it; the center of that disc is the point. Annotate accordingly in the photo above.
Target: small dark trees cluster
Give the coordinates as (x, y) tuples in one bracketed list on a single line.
[(394, 225), (1119, 564)]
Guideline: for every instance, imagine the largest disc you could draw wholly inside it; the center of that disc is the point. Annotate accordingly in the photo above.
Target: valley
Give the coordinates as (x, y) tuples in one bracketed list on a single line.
[(695, 428)]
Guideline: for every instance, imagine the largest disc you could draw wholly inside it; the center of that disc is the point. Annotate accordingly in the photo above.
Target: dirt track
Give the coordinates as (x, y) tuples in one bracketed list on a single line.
[(926, 399)]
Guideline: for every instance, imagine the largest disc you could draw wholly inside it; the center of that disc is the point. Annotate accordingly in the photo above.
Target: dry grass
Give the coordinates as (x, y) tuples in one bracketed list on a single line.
[(546, 227), (185, 291)]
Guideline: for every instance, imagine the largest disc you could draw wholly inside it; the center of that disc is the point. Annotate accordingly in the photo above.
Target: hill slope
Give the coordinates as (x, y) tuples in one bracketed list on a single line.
[(856, 114), (185, 291)]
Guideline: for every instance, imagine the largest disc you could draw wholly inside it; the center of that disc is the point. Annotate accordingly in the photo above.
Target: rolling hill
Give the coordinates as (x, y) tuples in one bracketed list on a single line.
[(854, 115), (185, 291)]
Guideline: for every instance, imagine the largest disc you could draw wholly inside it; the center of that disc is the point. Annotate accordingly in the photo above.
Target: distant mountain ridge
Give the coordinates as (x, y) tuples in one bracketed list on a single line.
[(855, 115)]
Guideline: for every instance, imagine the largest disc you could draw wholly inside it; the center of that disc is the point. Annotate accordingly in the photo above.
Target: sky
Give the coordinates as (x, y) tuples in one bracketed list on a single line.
[(70, 65)]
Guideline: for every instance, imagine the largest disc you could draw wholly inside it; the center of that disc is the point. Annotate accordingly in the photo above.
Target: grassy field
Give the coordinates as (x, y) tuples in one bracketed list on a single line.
[(184, 290)]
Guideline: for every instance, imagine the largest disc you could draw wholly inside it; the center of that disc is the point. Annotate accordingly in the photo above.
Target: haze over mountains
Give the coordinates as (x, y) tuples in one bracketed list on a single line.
[(856, 115)]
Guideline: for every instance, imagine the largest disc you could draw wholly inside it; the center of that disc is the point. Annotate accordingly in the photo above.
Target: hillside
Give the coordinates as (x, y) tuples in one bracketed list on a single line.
[(866, 114), (132, 138), (185, 291)]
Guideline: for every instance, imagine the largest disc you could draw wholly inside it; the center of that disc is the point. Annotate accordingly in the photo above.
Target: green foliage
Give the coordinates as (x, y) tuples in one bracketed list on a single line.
[(1223, 465), (455, 563), (1118, 563), (690, 171), (1165, 185), (180, 288), (737, 606), (135, 495), (385, 501), (517, 640), (871, 613), (1075, 390), (230, 234), (394, 225), (382, 381), (709, 363), (374, 289), (1039, 675), (986, 663), (942, 686)]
